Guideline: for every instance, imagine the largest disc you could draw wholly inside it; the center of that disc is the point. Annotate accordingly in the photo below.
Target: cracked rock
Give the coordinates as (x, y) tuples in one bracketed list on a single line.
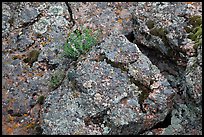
[(108, 87)]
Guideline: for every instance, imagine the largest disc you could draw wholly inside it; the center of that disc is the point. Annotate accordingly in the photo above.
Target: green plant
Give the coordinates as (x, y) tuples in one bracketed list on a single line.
[(196, 35), (56, 79), (41, 100), (79, 42), (194, 29)]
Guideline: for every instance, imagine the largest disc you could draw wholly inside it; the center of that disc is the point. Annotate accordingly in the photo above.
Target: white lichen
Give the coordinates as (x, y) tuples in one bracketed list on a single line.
[(55, 10), (41, 26), (60, 21)]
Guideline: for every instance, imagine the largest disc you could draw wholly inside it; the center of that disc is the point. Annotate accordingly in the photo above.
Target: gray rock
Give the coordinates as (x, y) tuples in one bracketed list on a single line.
[(22, 43), (154, 32), (28, 14), (118, 49), (104, 88), (193, 78), (53, 53)]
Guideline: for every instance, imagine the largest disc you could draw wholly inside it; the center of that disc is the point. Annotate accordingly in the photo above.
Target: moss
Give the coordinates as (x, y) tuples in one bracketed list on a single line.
[(161, 32), (194, 29), (30, 125), (150, 24), (145, 90), (188, 29), (195, 21), (32, 57), (171, 52), (76, 94), (38, 35), (142, 97), (34, 128), (196, 35), (15, 57), (11, 21), (56, 79), (197, 44), (40, 100), (120, 65)]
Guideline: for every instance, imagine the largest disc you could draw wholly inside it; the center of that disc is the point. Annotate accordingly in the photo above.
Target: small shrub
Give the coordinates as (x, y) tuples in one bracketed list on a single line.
[(79, 42)]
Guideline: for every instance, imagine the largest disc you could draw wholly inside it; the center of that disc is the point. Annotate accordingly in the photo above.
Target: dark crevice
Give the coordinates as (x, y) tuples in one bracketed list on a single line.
[(49, 66), (98, 118), (154, 55), (163, 124), (130, 36), (70, 13), (165, 64), (145, 92), (120, 65), (27, 24)]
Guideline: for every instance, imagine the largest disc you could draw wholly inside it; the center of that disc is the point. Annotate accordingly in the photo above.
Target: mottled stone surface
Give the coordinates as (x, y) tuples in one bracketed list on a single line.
[(144, 78), (107, 87)]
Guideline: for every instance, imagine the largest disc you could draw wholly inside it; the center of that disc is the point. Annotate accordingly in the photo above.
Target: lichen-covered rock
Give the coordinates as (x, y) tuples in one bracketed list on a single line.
[(51, 53), (41, 26), (57, 19), (109, 98), (55, 10), (163, 30), (6, 16), (193, 79), (28, 14), (118, 87), (121, 51)]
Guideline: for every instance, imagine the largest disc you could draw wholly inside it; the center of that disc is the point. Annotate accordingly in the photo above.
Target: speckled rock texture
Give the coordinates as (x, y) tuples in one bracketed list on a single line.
[(166, 32), (143, 77), (110, 89)]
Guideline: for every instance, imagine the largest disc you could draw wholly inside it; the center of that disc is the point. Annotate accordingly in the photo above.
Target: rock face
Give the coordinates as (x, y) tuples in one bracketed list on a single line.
[(193, 77), (144, 77), (143, 88), (166, 33), (134, 99)]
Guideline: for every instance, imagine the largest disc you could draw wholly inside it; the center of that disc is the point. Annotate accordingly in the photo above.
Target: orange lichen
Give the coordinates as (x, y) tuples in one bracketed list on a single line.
[(25, 115), (22, 78), (188, 2), (39, 74), (120, 21), (30, 125), (30, 75), (117, 12), (16, 125), (9, 130)]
